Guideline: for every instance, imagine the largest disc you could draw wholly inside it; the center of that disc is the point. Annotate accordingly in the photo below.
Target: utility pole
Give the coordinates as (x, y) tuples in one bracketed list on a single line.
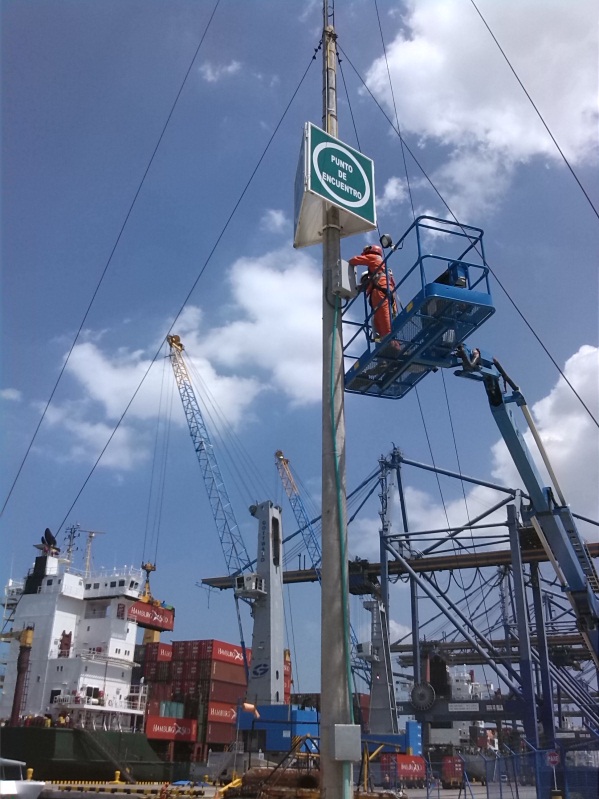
[(336, 708)]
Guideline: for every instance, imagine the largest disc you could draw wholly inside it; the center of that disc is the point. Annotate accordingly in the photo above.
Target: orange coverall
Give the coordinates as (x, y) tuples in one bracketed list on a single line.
[(376, 290)]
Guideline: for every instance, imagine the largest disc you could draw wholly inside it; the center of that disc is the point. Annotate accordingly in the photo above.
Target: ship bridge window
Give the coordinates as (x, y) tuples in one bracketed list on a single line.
[(88, 586), (96, 585), (121, 583), (49, 582), (97, 610), (113, 584)]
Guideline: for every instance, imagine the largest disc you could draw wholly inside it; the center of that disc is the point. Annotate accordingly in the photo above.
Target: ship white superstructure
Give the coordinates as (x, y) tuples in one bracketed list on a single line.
[(82, 652)]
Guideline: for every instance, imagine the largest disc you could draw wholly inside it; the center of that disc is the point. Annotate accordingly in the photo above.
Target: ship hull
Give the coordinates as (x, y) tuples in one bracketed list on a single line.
[(71, 754)]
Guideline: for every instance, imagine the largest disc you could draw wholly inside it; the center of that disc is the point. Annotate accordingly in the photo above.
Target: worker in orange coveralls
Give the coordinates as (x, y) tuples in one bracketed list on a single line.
[(374, 283)]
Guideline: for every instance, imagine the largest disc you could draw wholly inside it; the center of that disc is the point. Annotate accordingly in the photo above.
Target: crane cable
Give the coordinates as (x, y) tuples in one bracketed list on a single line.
[(454, 541), (159, 469), (185, 301), (495, 276), (538, 113), (109, 261)]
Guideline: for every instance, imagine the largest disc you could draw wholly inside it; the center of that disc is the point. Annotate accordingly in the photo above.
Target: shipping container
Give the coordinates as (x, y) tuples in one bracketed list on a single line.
[(452, 771), (153, 707), (179, 648), (177, 669), (228, 653), (139, 654), (220, 733), (171, 729), (150, 670), (158, 651), (160, 691), (171, 709), (226, 692), (223, 671), (403, 770), (152, 617), (163, 673), (222, 713), (189, 688)]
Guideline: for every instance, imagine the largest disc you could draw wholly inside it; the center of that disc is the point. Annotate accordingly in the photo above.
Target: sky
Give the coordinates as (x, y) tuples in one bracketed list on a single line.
[(148, 188)]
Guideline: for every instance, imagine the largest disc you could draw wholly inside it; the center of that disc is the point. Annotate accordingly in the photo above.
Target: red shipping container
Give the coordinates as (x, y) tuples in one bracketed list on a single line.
[(226, 692), (177, 669), (190, 688), (163, 673), (229, 653), (160, 691), (222, 713), (228, 672), (203, 687), (220, 733), (153, 707), (179, 650), (408, 769), (150, 669), (171, 729), (152, 617), (159, 651), (452, 771)]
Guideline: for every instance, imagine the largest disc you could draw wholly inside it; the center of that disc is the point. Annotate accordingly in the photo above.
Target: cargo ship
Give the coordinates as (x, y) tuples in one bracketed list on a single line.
[(83, 700), (69, 705)]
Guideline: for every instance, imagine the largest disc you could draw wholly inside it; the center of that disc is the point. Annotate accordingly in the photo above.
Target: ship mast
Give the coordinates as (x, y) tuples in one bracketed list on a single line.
[(336, 709)]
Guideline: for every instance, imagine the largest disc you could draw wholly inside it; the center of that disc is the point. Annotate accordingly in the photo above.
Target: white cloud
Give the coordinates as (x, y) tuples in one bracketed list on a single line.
[(398, 630), (212, 74), (11, 394), (277, 323), (394, 193), (276, 311), (452, 85), (274, 221), (86, 439)]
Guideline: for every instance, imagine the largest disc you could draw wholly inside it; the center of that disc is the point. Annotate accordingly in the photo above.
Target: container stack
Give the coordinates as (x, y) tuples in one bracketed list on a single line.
[(200, 681), (210, 677)]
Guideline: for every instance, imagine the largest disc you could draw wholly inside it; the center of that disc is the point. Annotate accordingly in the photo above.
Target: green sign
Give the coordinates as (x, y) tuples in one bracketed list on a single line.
[(341, 175), (330, 172)]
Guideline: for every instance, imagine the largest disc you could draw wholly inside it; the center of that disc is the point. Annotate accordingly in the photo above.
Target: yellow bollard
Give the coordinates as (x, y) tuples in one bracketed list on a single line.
[(29, 773), (117, 776)]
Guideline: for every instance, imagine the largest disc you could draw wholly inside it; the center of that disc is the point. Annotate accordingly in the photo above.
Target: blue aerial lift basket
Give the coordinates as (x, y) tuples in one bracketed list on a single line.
[(451, 300)]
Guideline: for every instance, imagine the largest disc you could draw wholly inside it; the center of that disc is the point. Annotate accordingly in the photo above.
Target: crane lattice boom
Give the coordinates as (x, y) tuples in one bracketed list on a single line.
[(236, 556)]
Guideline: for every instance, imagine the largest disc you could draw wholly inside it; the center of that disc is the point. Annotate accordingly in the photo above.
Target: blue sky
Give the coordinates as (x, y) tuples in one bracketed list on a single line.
[(87, 89)]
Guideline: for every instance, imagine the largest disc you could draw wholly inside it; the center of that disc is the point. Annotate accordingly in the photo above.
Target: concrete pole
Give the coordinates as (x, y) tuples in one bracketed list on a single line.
[(336, 780)]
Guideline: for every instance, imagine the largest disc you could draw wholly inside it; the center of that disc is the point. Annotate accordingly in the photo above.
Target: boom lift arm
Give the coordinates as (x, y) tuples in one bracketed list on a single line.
[(550, 516)]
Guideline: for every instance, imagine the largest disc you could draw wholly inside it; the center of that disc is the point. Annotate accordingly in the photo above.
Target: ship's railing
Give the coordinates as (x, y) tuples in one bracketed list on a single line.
[(89, 702), (89, 654)]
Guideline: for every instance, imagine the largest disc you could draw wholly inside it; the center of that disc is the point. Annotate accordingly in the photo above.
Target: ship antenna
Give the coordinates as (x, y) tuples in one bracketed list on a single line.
[(71, 536)]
